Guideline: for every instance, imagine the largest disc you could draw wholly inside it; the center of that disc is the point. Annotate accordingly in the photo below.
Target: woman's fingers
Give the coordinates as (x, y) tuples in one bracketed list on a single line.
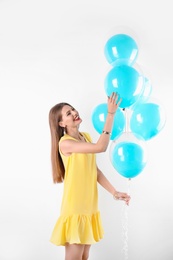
[(119, 102), (114, 95), (125, 197), (114, 98)]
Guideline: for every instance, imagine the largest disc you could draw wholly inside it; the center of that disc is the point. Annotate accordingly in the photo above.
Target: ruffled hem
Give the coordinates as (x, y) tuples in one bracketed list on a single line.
[(77, 229)]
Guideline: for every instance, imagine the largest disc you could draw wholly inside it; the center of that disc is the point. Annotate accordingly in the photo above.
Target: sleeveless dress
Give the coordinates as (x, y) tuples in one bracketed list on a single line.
[(79, 221)]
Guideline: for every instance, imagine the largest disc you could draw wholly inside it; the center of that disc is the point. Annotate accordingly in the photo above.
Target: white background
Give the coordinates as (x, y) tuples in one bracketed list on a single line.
[(52, 51)]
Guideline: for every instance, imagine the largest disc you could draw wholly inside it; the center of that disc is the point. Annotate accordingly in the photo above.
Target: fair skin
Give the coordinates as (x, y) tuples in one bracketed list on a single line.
[(71, 121), (77, 252)]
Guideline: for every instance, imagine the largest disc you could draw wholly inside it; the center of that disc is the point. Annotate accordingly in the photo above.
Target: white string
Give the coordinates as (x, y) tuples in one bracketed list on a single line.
[(125, 224), (126, 114)]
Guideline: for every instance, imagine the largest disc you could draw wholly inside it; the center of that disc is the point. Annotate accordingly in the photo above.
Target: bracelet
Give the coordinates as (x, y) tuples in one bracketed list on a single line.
[(112, 113), (106, 133), (116, 197)]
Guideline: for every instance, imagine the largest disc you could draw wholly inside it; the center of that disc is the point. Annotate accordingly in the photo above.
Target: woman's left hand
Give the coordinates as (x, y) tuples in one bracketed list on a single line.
[(122, 196)]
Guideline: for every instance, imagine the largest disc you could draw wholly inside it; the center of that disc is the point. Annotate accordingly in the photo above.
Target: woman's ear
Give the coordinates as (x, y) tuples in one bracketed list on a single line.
[(61, 124)]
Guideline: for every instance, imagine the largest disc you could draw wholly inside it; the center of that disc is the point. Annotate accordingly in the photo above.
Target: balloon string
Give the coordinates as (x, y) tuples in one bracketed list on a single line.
[(126, 120), (125, 224)]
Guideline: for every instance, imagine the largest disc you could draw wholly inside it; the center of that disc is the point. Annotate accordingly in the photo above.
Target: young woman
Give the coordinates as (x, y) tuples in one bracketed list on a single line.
[(74, 163)]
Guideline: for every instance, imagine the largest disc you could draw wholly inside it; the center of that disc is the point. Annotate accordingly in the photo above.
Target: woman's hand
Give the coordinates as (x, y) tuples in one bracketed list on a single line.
[(113, 103), (122, 196)]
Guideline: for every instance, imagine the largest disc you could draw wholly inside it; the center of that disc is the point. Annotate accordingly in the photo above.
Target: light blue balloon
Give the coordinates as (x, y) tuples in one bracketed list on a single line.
[(146, 93), (121, 47), (99, 117), (128, 159), (127, 82), (147, 120)]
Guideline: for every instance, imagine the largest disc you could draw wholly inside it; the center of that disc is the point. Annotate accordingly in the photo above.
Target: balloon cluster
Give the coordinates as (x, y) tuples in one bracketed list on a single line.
[(128, 153)]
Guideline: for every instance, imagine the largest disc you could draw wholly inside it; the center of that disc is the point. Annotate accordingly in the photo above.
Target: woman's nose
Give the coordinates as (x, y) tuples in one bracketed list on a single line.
[(75, 112)]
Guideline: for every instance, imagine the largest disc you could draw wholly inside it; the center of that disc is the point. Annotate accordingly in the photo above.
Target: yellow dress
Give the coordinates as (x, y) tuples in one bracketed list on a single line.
[(79, 221)]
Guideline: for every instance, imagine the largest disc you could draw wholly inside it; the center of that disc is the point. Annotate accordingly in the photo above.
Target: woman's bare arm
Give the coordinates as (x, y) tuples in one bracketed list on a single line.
[(71, 146), (103, 181)]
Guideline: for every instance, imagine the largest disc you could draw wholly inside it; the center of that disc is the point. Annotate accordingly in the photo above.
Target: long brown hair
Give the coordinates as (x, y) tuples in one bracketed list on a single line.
[(57, 132)]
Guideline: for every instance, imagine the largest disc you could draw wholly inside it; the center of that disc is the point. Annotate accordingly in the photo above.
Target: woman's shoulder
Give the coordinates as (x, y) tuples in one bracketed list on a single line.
[(65, 136)]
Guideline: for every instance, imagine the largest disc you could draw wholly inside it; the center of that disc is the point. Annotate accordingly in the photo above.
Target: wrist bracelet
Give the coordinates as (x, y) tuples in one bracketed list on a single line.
[(112, 113), (116, 197), (106, 133)]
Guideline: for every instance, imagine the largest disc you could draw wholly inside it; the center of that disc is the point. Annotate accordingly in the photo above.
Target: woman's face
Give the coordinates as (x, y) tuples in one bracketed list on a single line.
[(70, 117)]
